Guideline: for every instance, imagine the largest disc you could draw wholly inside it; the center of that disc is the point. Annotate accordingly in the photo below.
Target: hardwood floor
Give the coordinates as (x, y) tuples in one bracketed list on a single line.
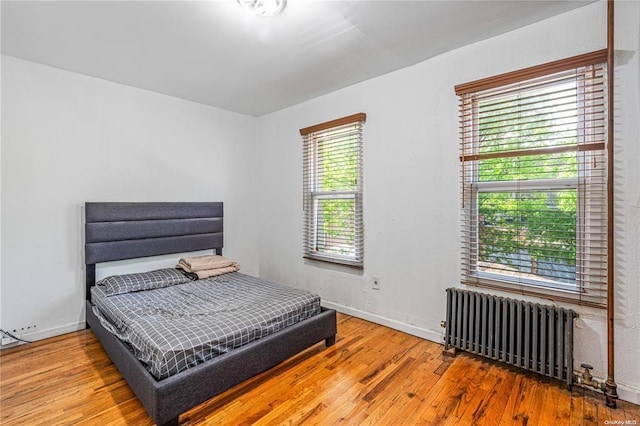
[(372, 375)]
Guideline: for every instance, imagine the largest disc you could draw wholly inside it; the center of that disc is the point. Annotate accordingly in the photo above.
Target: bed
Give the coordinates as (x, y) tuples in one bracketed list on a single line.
[(119, 231)]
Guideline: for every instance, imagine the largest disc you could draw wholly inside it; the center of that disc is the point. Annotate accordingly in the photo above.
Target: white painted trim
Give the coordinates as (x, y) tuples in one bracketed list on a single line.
[(45, 334), (387, 322), (629, 394)]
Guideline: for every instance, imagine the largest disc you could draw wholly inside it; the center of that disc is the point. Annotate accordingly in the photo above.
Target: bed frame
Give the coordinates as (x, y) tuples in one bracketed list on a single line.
[(118, 231)]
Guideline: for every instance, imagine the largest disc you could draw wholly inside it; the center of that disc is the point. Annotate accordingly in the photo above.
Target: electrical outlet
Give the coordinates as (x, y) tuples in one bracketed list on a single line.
[(18, 332), (375, 283), (23, 330), (7, 340)]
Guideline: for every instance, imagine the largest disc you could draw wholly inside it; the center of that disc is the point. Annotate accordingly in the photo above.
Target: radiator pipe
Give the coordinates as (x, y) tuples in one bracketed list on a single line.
[(610, 390)]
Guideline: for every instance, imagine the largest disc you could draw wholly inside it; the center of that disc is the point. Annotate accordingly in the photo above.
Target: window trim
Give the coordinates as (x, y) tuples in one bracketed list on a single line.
[(349, 119), (599, 56)]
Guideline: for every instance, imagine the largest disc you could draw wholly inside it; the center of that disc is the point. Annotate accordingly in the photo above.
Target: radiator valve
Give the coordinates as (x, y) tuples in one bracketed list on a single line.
[(587, 378)]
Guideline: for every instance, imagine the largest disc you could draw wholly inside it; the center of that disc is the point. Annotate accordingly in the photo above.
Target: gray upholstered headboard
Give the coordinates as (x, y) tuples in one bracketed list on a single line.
[(118, 231)]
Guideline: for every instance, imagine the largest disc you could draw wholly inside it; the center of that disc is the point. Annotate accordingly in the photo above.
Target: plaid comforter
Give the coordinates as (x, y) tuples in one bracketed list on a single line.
[(174, 328)]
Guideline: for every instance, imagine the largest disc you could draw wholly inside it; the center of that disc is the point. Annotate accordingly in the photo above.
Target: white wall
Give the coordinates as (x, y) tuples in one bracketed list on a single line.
[(627, 197), (68, 139), (0, 175), (411, 181)]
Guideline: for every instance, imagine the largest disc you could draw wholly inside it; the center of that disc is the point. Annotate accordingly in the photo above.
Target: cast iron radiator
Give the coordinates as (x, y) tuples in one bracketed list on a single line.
[(535, 337)]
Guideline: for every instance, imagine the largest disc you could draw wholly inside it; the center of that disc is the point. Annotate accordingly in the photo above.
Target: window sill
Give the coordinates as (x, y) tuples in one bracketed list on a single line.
[(342, 262), (575, 297)]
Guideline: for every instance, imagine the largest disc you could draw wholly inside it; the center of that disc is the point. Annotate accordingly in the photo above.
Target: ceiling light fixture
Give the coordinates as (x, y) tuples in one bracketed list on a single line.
[(264, 7)]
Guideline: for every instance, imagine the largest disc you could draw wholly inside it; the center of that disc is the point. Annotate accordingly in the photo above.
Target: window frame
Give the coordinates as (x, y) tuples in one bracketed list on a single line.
[(470, 274), (311, 195)]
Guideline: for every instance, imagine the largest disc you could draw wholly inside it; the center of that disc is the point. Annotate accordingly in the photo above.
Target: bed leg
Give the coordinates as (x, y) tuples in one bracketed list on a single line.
[(330, 341), (172, 422)]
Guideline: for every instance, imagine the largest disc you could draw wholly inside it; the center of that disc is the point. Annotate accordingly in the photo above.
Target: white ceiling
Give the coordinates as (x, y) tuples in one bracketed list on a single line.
[(213, 52)]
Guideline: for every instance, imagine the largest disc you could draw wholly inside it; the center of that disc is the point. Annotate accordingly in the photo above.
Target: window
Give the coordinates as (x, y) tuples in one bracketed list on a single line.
[(332, 168), (534, 175)]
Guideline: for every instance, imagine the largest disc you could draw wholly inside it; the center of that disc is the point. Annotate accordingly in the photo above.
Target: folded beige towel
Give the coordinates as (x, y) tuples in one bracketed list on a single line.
[(208, 273), (201, 263)]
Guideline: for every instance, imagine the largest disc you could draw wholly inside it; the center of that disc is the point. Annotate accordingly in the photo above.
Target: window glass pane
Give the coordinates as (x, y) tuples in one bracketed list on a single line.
[(536, 118), (337, 162), (528, 234), (335, 226), (545, 166)]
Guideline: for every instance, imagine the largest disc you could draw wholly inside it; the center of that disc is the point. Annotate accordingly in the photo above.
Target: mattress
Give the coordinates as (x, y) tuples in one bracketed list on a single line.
[(174, 328)]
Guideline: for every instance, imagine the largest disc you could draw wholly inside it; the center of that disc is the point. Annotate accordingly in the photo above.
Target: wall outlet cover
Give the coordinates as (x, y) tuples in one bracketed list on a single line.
[(375, 283)]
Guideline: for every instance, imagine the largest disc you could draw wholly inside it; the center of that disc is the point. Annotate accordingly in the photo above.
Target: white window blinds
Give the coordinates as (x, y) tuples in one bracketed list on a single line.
[(534, 174), (332, 179)]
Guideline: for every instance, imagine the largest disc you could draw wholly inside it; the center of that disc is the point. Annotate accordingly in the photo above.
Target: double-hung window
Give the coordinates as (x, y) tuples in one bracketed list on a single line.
[(534, 174), (332, 169)]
